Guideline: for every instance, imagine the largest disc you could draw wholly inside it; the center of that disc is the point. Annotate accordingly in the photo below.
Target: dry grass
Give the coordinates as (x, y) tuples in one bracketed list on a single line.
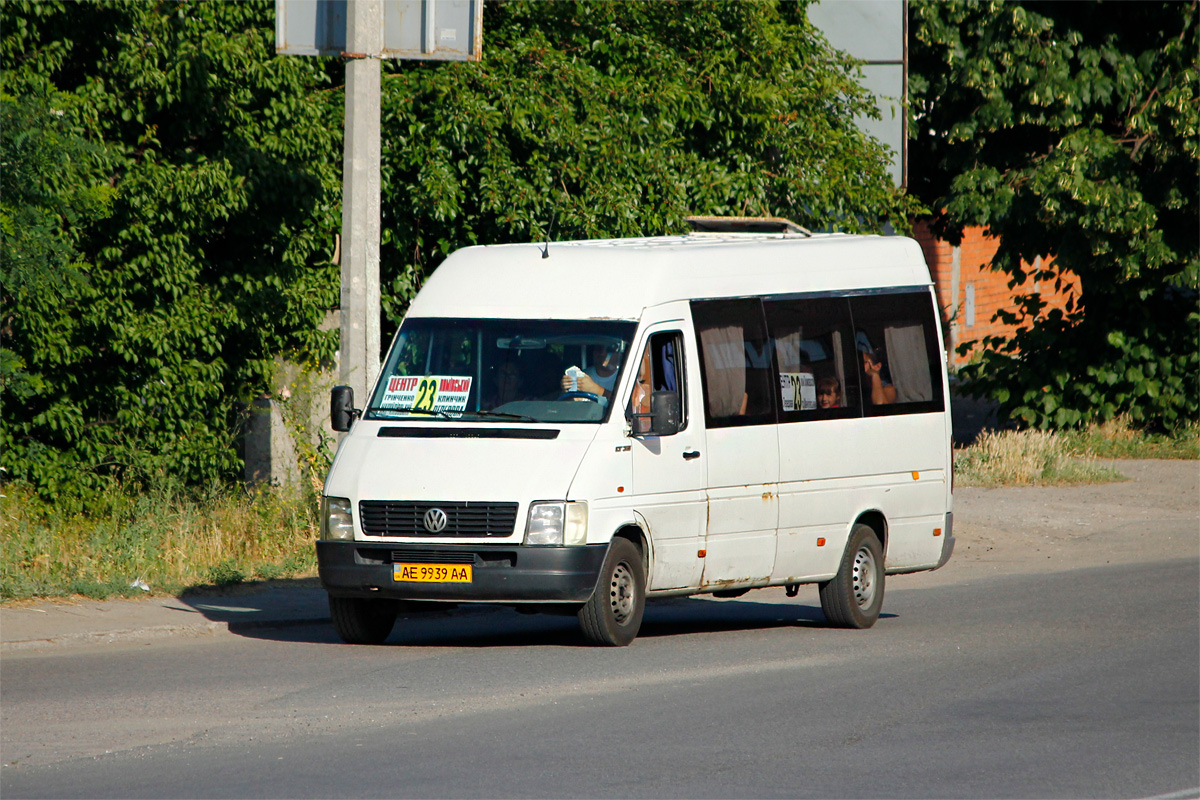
[(1118, 438), (168, 542), (1027, 458)]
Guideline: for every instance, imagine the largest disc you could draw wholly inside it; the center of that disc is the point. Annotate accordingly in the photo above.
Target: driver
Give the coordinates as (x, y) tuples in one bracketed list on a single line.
[(600, 377)]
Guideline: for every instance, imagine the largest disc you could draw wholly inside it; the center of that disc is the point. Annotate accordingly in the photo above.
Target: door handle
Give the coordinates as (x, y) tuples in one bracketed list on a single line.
[(690, 454)]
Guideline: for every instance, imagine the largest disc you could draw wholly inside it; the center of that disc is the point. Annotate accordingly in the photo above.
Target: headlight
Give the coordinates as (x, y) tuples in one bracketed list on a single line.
[(557, 524), (336, 520)]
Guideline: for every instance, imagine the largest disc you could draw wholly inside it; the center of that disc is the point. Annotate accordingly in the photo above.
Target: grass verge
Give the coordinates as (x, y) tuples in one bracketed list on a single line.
[(1041, 458), (1118, 439), (1026, 458), (157, 542)]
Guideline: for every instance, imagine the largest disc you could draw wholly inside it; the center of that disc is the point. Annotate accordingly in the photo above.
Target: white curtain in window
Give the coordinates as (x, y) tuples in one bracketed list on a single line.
[(909, 363), (787, 352), (725, 369)]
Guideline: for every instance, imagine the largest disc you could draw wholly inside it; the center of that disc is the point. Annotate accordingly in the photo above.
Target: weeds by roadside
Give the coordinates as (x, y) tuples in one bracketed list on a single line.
[(1031, 457), (159, 541), (1118, 439), (1025, 458)]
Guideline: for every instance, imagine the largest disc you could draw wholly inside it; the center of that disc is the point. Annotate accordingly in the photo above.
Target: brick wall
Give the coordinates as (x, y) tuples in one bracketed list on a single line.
[(970, 293)]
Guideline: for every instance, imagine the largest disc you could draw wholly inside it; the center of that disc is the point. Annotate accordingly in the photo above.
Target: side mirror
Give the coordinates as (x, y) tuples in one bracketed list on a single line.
[(342, 412), (665, 413), (664, 418)]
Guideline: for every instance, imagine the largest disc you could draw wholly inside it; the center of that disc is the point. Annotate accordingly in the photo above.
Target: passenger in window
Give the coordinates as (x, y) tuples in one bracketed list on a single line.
[(829, 392), (879, 385)]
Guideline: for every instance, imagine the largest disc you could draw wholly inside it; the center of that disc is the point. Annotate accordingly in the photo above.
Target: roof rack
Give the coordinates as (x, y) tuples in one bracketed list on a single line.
[(745, 225)]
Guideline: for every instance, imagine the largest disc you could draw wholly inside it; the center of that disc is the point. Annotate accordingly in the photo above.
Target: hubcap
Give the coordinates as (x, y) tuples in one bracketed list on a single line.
[(864, 578), (620, 593)]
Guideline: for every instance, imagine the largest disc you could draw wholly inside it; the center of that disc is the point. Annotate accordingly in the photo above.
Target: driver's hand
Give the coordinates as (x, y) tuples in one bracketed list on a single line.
[(586, 384)]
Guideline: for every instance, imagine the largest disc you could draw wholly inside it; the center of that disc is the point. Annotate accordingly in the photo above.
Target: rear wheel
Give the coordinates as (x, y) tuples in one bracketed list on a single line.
[(613, 615), (361, 620), (855, 595)]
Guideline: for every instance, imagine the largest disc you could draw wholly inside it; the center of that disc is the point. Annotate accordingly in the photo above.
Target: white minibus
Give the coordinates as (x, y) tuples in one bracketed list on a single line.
[(577, 427)]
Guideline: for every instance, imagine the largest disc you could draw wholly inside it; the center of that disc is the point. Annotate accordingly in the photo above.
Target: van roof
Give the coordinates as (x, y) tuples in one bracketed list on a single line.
[(618, 278)]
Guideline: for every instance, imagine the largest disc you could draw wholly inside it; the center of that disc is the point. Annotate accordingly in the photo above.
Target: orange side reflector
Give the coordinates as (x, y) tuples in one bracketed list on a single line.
[(701, 553), (620, 489), (937, 531), (821, 542), (916, 475)]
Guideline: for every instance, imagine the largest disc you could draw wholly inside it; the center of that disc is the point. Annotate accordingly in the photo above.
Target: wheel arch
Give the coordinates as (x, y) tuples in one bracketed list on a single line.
[(640, 540), (876, 521)]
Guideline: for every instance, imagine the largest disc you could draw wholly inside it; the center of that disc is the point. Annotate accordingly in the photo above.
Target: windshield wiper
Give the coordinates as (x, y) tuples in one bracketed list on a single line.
[(398, 411), (502, 415)]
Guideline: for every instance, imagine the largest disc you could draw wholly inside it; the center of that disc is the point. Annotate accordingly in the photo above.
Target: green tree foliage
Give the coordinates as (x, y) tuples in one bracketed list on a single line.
[(170, 188), (1070, 130), (601, 118), (52, 185), (185, 244)]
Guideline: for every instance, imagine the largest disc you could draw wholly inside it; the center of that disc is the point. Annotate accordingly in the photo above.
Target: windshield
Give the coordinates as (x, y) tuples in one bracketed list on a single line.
[(502, 370)]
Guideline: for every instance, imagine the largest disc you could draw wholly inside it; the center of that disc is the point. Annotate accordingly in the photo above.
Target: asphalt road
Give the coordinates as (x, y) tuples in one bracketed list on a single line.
[(1077, 682)]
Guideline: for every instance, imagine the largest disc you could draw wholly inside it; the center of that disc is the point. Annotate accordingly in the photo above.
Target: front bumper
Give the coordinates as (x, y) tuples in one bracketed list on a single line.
[(501, 573)]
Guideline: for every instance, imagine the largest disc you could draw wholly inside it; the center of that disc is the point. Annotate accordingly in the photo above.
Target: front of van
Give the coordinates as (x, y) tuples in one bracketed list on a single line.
[(454, 482)]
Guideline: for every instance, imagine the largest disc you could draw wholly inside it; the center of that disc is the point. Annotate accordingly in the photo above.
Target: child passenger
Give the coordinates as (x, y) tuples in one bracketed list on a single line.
[(829, 392)]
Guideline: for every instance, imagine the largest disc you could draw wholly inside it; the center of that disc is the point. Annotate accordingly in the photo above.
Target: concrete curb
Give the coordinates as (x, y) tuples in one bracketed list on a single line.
[(207, 628), (75, 621)]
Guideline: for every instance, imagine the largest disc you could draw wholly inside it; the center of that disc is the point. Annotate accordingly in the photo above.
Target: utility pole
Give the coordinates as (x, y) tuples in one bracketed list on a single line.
[(439, 30), (359, 356)]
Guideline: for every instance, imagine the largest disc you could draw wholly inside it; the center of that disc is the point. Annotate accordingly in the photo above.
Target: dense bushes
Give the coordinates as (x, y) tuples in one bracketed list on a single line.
[(1072, 131), (182, 244)]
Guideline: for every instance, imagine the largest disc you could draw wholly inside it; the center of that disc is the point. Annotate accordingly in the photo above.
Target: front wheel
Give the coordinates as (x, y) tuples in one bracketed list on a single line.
[(613, 615), (361, 620), (855, 595)]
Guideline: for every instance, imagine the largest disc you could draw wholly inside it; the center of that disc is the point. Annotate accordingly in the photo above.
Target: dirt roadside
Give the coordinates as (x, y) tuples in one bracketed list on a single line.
[(1153, 516)]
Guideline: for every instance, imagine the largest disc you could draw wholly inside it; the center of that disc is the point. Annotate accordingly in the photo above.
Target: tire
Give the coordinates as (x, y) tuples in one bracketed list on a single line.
[(613, 614), (855, 595), (362, 621)]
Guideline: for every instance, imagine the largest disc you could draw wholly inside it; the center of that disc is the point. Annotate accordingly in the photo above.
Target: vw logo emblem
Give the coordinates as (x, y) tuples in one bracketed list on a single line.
[(435, 520)]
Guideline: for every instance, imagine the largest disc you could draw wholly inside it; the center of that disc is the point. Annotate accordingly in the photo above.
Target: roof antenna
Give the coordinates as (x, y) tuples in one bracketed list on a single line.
[(546, 249)]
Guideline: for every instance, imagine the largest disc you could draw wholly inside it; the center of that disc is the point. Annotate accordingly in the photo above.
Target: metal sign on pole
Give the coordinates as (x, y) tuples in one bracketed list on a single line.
[(364, 32), (441, 30), (875, 31)]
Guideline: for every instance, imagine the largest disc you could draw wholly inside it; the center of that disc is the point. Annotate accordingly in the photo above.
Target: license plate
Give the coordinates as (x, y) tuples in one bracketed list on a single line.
[(432, 573)]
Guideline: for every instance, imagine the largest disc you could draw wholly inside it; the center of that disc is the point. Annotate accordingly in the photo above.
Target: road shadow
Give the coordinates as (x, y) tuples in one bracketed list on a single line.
[(484, 626)]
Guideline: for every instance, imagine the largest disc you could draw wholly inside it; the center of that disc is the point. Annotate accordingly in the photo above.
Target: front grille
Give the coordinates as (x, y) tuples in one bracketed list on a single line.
[(406, 518), (432, 557)]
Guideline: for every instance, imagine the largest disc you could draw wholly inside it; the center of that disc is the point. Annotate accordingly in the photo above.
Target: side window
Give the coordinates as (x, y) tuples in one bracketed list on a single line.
[(659, 370), (814, 357), (735, 362), (899, 360)]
